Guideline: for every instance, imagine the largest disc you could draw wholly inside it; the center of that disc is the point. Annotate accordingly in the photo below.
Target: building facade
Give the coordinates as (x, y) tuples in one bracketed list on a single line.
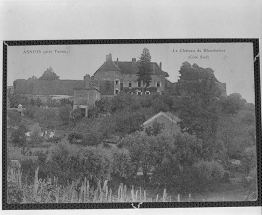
[(121, 76), (86, 94)]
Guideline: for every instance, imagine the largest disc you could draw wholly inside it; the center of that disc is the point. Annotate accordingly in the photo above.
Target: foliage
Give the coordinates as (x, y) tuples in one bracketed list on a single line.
[(14, 194), (128, 122), (74, 137), (18, 136), (145, 70), (155, 129), (30, 111), (92, 139), (49, 75), (232, 104), (16, 99), (76, 115), (46, 117), (207, 174), (14, 117), (248, 159), (103, 105), (64, 113), (35, 135)]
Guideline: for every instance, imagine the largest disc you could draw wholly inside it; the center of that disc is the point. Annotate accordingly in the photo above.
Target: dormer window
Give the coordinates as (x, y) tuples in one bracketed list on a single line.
[(147, 92)]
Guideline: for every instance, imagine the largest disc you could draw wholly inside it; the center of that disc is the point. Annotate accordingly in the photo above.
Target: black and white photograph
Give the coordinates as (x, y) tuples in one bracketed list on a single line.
[(131, 123)]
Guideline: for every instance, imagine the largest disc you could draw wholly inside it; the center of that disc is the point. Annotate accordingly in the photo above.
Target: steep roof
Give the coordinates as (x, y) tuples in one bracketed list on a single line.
[(44, 87), (108, 65), (168, 115), (127, 67)]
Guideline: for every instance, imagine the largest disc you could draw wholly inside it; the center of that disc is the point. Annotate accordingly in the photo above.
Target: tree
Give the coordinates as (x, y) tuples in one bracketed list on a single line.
[(144, 70), (18, 136), (129, 122), (46, 117), (232, 104), (64, 113), (199, 107), (14, 117), (49, 75)]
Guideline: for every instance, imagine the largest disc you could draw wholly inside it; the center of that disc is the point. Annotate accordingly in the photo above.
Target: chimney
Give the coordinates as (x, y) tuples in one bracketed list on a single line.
[(160, 65), (117, 61), (87, 81), (133, 61), (109, 57)]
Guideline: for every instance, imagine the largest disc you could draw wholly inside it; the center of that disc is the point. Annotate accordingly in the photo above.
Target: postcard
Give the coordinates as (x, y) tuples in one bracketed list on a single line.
[(131, 123)]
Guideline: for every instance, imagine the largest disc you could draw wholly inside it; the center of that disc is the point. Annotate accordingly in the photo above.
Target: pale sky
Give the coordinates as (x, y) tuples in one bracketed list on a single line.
[(234, 66)]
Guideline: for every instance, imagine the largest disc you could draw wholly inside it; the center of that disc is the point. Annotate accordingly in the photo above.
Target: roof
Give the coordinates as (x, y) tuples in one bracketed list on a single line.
[(108, 65), (168, 115), (44, 87), (128, 67), (81, 86), (132, 68)]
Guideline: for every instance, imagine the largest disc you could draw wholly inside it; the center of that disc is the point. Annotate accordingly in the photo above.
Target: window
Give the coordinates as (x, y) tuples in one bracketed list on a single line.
[(117, 91), (117, 82), (139, 93), (139, 84), (121, 86), (147, 93), (158, 84), (130, 84)]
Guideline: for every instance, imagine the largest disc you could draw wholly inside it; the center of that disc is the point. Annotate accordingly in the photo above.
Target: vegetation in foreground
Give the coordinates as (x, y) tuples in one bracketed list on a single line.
[(214, 131)]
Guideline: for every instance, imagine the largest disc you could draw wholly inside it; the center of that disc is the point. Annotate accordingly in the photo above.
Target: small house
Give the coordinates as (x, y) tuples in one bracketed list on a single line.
[(168, 119)]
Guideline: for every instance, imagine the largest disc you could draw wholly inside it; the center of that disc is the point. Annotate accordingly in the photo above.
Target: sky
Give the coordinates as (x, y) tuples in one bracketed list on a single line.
[(232, 65)]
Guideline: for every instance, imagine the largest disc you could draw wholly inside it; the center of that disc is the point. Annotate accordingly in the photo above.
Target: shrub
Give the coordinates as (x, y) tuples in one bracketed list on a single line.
[(207, 174), (14, 117), (64, 113), (14, 193), (74, 137), (35, 135), (18, 136), (92, 139), (76, 115), (30, 111)]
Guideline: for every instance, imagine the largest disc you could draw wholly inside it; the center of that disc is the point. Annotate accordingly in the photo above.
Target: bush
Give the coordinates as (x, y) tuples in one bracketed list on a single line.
[(18, 136), (206, 175), (30, 111), (76, 115), (64, 113), (35, 135), (14, 117), (14, 194), (71, 162), (74, 137)]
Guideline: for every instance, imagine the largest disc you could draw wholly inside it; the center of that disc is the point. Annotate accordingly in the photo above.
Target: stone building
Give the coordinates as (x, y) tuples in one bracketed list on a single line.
[(86, 94), (122, 76)]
